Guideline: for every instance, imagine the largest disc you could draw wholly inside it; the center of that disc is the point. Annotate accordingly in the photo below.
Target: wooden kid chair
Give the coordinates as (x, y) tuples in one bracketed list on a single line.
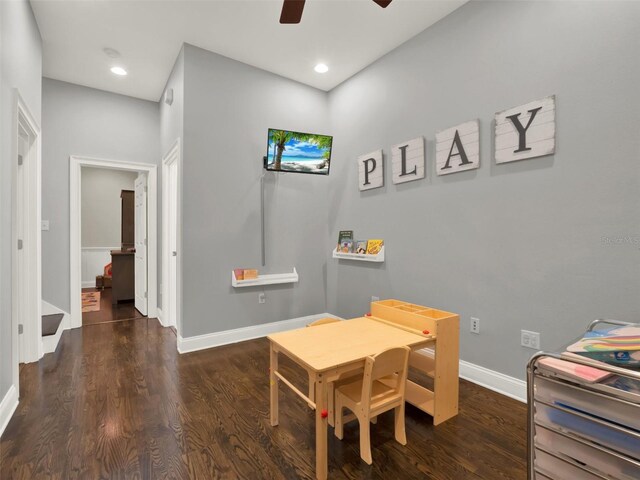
[(323, 321), (369, 397)]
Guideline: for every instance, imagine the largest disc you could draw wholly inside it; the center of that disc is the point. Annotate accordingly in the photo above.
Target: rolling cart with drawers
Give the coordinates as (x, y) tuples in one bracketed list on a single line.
[(582, 430)]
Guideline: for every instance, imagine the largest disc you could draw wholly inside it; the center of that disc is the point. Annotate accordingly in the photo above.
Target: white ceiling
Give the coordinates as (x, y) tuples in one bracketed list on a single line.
[(347, 35)]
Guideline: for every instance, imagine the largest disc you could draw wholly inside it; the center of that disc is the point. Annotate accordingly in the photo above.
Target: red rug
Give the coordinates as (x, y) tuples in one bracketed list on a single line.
[(90, 302)]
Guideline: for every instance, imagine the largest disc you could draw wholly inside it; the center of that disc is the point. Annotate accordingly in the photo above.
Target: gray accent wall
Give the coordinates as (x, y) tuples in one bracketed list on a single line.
[(228, 108), (547, 244), (85, 122), (20, 68)]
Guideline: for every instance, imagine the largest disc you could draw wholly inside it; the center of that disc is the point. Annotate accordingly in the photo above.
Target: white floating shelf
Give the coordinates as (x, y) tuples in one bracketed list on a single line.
[(271, 279), (363, 257)]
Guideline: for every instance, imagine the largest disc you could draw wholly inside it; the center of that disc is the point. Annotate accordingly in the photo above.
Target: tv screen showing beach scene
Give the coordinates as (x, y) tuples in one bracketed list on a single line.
[(298, 152)]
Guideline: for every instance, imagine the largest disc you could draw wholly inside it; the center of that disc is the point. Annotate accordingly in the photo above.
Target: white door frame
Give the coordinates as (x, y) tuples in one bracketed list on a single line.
[(75, 165), (173, 155), (27, 300)]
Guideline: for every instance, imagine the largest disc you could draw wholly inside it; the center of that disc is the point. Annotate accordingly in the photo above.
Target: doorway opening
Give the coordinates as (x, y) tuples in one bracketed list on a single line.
[(113, 241)]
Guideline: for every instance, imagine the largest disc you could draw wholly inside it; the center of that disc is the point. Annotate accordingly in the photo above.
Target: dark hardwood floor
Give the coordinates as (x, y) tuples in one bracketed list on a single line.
[(109, 312), (116, 401)]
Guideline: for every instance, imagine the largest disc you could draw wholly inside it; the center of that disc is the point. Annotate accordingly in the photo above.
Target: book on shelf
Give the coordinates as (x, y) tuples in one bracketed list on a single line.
[(374, 246), (250, 274), (360, 246), (346, 246), (344, 235)]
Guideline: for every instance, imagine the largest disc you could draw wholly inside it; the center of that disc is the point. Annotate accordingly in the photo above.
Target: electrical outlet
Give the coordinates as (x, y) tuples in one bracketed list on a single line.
[(262, 298), (535, 340), (475, 325), (530, 339), (374, 298)]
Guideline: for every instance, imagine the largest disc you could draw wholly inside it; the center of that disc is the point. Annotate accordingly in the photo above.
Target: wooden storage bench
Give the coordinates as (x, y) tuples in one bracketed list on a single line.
[(442, 365)]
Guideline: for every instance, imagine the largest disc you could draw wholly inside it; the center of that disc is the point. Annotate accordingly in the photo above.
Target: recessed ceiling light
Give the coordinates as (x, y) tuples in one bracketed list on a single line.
[(321, 68), (118, 71)]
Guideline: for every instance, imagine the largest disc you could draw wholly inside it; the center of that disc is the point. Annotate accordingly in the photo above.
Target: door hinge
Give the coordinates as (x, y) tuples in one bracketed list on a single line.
[(20, 329), (20, 245), (20, 160)]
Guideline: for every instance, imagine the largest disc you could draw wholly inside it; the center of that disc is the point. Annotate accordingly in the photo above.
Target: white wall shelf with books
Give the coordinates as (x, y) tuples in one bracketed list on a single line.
[(363, 257), (270, 279)]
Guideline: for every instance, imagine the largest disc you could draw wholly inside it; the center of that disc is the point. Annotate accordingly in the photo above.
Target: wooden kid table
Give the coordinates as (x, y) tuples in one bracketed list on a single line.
[(328, 351)]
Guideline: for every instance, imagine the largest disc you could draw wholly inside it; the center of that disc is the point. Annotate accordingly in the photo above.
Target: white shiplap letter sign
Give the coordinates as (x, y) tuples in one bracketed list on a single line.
[(458, 148), (407, 160), (526, 131), (370, 170)]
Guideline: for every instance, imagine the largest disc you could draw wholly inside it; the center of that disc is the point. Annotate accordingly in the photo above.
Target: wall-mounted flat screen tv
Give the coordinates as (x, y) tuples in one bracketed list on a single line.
[(298, 152)]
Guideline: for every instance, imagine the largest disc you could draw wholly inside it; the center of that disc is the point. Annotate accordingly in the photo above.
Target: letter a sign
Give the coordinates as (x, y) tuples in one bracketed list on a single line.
[(458, 148), (370, 170), (526, 131)]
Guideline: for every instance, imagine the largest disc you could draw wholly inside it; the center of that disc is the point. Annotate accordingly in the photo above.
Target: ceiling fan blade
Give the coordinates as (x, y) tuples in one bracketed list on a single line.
[(292, 11), (383, 3)]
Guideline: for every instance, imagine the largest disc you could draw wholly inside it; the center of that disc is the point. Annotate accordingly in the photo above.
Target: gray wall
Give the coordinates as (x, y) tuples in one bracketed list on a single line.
[(228, 107), (172, 116), (102, 206), (21, 68), (85, 122), (518, 245)]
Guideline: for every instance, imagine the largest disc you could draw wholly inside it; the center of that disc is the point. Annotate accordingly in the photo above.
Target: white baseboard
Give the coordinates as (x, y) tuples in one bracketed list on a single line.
[(89, 284), (50, 342), (490, 379), (201, 342), (8, 405), (496, 381), (159, 317)]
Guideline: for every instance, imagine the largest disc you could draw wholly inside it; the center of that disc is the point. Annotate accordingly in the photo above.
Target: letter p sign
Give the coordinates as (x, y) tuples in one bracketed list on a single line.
[(370, 171)]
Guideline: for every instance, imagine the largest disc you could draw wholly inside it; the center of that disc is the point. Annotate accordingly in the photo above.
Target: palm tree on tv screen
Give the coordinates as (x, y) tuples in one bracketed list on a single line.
[(324, 143), (279, 139)]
